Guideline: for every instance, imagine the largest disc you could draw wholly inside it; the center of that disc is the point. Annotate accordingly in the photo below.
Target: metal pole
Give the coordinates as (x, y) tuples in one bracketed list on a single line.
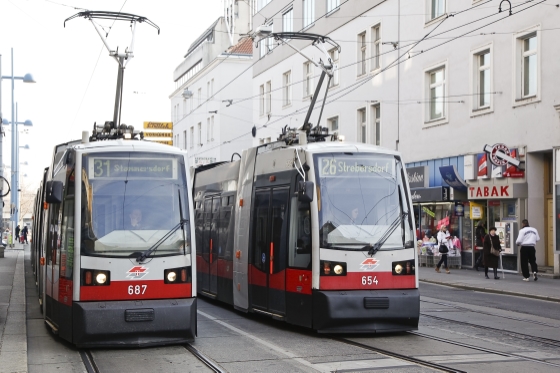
[(1, 164), (14, 191), (17, 167)]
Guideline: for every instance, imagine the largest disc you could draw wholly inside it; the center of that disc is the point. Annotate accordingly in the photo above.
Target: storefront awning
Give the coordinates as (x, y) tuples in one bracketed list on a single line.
[(450, 175)]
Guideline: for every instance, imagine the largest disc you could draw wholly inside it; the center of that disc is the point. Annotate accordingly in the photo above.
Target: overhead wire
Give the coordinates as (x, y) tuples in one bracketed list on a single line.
[(359, 83)]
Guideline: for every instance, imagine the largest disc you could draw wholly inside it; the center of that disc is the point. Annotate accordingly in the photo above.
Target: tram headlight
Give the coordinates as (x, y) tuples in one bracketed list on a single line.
[(171, 276), (398, 269), (338, 269), (101, 278), (95, 277), (330, 268), (403, 268), (177, 275)]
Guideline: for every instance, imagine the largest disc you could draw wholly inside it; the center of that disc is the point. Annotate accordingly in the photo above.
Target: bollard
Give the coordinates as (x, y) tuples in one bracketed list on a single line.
[(1, 251)]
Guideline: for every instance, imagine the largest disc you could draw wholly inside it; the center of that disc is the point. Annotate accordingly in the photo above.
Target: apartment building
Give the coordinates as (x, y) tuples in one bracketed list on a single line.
[(465, 91)]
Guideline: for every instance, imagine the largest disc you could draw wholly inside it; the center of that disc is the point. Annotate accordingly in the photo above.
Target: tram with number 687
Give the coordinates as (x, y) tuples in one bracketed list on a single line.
[(112, 243)]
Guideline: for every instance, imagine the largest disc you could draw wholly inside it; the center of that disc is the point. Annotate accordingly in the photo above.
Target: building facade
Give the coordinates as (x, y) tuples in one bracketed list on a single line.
[(203, 90), (465, 91)]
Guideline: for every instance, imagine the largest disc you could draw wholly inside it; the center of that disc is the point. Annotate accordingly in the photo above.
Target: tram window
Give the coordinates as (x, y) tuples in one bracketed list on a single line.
[(300, 235)]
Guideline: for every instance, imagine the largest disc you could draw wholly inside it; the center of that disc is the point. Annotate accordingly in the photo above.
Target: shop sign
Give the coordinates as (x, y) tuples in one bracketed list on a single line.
[(477, 211), (499, 161), (433, 194), (429, 212), (459, 209), (491, 191), (417, 177)]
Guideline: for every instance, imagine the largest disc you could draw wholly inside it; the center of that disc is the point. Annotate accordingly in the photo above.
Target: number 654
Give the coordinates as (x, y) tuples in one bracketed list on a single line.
[(369, 280)]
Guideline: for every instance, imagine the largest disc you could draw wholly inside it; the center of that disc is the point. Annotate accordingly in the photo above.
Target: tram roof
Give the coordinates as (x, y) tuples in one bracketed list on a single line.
[(124, 145), (341, 146)]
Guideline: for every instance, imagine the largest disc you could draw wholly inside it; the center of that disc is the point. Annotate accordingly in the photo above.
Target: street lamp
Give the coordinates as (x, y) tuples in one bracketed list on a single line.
[(27, 78), (14, 201)]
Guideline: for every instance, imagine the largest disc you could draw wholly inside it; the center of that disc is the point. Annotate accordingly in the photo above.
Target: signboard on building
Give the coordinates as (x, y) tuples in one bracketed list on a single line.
[(158, 126), (199, 161), (498, 191), (499, 161), (160, 132), (477, 211), (418, 177), (434, 194)]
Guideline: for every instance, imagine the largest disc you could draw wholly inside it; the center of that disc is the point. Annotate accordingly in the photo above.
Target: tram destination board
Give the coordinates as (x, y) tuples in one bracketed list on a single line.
[(132, 168)]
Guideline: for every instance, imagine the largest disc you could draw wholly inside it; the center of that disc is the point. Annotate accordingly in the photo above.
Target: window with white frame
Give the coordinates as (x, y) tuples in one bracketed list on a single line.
[(529, 69), (208, 93), (185, 139), (199, 96), (270, 40), (268, 94), (332, 124), (261, 99), (192, 102), (287, 88), (375, 124), (308, 12), (362, 125), (212, 128), (332, 5), (436, 93), (211, 88), (207, 129), (482, 79), (262, 48), (199, 134), (191, 141), (436, 8), (362, 49), (334, 55), (307, 79), (288, 21), (376, 47)]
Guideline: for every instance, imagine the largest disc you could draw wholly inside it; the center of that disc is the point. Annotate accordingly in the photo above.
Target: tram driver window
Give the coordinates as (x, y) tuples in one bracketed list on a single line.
[(300, 235)]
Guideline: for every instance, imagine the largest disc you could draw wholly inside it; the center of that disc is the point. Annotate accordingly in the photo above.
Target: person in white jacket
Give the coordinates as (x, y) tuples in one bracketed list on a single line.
[(445, 243), (528, 237)]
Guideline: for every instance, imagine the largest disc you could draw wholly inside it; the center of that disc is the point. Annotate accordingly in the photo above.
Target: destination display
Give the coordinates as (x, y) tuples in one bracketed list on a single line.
[(346, 165), (132, 168)]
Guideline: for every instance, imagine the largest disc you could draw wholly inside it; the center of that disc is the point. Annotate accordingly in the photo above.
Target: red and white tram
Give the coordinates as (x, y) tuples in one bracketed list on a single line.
[(113, 243), (319, 235)]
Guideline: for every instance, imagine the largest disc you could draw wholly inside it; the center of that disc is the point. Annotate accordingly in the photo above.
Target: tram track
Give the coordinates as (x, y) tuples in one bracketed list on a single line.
[(459, 308), (89, 362), (395, 355), (525, 337), (483, 349), (204, 359)]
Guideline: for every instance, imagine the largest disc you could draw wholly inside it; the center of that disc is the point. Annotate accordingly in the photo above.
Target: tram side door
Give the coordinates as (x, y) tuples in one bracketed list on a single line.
[(210, 245), (52, 260), (269, 250)]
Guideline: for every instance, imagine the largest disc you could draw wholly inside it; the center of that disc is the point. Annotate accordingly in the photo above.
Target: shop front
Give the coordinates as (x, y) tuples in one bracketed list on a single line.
[(499, 205)]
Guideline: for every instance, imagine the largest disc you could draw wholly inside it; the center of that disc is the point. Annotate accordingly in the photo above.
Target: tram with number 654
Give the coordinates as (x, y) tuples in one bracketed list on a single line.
[(316, 234), (112, 243)]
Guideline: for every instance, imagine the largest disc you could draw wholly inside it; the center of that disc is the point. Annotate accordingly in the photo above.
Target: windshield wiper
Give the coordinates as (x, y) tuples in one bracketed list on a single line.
[(146, 254), (376, 246)]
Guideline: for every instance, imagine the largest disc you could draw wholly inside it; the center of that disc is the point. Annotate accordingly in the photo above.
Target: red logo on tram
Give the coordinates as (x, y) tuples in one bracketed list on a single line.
[(137, 272), (369, 264)]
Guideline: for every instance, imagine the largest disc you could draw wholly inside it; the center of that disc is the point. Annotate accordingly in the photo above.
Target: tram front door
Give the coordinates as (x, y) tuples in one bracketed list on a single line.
[(210, 245), (269, 250)]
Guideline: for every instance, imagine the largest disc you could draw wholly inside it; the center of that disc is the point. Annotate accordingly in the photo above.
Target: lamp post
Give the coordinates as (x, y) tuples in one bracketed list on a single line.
[(14, 201), (27, 78)]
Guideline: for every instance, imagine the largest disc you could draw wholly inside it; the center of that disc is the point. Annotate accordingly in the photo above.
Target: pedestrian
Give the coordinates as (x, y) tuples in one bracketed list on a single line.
[(24, 232), (17, 233), (528, 237), (445, 244), (491, 241), (480, 232)]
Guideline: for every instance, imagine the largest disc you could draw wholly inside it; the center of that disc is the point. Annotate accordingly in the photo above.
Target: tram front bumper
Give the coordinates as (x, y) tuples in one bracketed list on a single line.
[(366, 311), (134, 323)]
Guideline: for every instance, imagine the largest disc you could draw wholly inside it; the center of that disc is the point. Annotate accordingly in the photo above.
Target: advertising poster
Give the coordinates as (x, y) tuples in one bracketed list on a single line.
[(477, 212), (482, 172), (503, 230)]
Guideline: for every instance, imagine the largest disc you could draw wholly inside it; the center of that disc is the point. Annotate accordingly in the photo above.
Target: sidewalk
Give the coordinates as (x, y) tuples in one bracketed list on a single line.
[(512, 284), (13, 331)]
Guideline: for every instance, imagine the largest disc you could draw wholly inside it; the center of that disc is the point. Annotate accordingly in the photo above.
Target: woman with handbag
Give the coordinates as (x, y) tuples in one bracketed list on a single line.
[(444, 242), (491, 252)]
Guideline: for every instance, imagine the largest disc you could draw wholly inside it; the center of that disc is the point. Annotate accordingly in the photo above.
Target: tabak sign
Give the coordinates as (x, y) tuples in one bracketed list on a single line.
[(491, 191), (499, 161)]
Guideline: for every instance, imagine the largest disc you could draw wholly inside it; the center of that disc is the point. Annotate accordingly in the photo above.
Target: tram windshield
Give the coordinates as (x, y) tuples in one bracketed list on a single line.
[(130, 201), (362, 202)]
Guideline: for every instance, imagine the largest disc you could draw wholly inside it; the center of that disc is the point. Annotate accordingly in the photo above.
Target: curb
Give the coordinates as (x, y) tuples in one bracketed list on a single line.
[(494, 291)]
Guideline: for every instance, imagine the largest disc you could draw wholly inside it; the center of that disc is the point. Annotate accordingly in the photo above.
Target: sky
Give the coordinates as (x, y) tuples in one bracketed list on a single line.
[(76, 77)]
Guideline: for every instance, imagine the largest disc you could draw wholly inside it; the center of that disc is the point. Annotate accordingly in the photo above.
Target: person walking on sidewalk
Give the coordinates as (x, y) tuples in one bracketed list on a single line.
[(16, 238), (24, 232), (528, 237), (445, 244), (480, 233), (490, 260)]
